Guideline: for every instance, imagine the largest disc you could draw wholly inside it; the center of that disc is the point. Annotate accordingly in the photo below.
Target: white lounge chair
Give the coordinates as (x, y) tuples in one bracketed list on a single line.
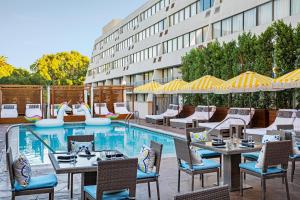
[(296, 123), (120, 108), (75, 110), (9, 111), (172, 111), (202, 113), (241, 113), (54, 110), (284, 117), (101, 109), (33, 110)]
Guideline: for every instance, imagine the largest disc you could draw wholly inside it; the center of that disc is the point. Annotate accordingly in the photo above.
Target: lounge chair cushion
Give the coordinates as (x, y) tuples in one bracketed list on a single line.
[(206, 164), (9, 111), (251, 167), (22, 170), (45, 181), (146, 159), (91, 190), (256, 131), (142, 175), (205, 153), (251, 155)]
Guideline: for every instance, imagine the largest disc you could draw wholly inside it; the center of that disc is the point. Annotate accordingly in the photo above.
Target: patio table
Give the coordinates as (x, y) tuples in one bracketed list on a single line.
[(84, 165), (231, 160)]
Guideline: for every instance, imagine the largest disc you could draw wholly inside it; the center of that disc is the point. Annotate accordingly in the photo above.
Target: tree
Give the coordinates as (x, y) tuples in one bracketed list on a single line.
[(65, 68), (5, 68)]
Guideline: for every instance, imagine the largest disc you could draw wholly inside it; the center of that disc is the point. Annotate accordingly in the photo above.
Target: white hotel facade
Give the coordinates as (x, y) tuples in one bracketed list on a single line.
[(149, 43)]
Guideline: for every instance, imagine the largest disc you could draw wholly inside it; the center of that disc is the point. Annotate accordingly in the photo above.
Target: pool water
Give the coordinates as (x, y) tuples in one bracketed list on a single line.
[(115, 136)]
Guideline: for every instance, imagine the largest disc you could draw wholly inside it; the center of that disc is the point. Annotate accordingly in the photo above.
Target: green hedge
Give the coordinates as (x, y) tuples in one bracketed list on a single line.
[(278, 46)]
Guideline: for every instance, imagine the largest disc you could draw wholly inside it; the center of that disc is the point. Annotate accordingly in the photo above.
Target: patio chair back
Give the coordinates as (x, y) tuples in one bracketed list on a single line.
[(117, 175), (157, 148), (183, 151), (214, 193), (296, 123), (80, 138), (277, 153), (10, 162)]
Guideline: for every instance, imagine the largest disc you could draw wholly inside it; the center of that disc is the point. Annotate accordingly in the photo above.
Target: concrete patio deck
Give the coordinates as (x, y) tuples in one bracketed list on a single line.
[(168, 181)]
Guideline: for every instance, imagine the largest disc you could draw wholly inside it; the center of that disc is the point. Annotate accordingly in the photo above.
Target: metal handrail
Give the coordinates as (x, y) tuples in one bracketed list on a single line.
[(226, 119), (127, 118), (137, 119), (40, 139), (7, 134)]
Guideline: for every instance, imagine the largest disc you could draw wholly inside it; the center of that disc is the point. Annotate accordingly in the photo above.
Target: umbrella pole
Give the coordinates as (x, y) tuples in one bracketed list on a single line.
[(207, 102)]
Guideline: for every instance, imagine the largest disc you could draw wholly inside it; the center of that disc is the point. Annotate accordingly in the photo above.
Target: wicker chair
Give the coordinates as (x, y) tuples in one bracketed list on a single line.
[(77, 138), (276, 153), (40, 185), (152, 177), (183, 153), (208, 154), (114, 175), (214, 193)]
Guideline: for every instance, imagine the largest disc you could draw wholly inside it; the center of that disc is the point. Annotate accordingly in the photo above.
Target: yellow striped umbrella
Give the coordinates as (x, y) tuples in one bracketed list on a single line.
[(171, 88), (289, 80), (202, 85), (147, 88), (246, 82)]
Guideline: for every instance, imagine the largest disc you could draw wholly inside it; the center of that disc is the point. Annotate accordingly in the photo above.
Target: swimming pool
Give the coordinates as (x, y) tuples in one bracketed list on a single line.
[(114, 136)]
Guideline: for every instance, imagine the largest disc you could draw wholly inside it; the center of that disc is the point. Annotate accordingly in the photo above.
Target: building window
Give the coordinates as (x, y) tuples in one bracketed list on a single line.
[(193, 9), (192, 38), (199, 38), (237, 23), (216, 30), (181, 15), (250, 19), (169, 46), (206, 4), (265, 13), (175, 44), (226, 27), (281, 9), (295, 7), (180, 42), (186, 40), (187, 13), (205, 33)]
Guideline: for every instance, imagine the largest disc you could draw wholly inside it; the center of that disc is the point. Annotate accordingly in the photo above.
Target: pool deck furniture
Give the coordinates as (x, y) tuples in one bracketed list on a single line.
[(201, 114), (101, 109), (171, 112), (9, 111), (121, 108), (84, 165), (33, 110), (152, 177), (77, 138), (114, 175), (275, 165), (185, 163), (231, 160), (214, 193), (37, 185)]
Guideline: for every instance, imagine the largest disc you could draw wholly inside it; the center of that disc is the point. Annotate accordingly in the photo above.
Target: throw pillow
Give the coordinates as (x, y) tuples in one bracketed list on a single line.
[(146, 159), (196, 156), (270, 138), (296, 150), (199, 137), (22, 170)]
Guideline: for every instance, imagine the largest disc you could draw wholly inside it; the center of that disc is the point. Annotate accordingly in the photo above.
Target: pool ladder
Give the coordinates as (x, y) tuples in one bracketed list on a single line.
[(136, 117)]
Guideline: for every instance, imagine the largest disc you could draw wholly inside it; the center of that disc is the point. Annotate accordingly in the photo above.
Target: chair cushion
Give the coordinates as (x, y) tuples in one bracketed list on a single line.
[(45, 181), (205, 153), (295, 156), (251, 155), (91, 190), (206, 164), (146, 159), (141, 174), (251, 167)]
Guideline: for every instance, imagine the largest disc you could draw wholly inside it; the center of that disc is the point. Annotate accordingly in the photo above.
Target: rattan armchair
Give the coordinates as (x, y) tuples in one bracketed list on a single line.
[(276, 153), (153, 178), (214, 193), (47, 185), (118, 176), (185, 163), (76, 138)]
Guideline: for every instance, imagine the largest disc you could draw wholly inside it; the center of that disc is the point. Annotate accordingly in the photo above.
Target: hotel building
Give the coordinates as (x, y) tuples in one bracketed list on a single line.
[(149, 43)]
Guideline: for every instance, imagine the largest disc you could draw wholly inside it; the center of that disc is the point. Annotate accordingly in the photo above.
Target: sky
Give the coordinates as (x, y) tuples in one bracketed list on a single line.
[(31, 28)]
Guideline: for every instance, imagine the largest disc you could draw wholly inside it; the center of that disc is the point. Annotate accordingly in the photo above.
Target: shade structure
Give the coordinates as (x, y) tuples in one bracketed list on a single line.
[(147, 88), (287, 81), (246, 82), (203, 85), (171, 88)]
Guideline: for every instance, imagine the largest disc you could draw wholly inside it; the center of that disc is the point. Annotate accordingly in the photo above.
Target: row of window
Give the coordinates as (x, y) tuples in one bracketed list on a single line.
[(190, 11), (152, 30), (259, 15), (125, 44), (154, 9), (186, 40)]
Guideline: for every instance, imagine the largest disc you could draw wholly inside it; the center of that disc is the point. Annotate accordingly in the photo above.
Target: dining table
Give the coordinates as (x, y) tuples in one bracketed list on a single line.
[(86, 165), (231, 153)]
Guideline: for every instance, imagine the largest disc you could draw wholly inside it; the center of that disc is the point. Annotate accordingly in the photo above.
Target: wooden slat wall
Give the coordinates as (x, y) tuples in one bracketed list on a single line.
[(21, 95), (60, 94)]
